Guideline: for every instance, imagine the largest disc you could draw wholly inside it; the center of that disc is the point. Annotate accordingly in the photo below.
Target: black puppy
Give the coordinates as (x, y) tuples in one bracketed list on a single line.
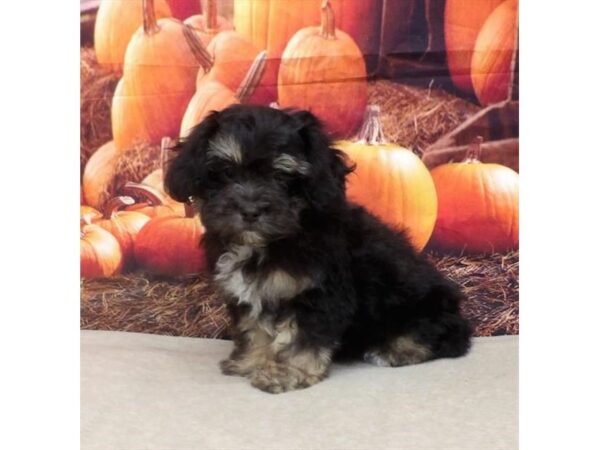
[(307, 275)]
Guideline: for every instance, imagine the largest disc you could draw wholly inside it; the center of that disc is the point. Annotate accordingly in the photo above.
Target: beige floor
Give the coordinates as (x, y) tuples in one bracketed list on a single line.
[(153, 392)]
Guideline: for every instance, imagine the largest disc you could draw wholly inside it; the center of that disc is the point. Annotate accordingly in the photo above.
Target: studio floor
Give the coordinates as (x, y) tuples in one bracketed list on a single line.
[(152, 392)]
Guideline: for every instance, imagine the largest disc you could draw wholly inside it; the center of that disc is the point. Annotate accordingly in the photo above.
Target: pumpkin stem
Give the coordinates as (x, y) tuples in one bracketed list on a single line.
[(150, 24), (147, 193), (371, 132), (252, 78), (197, 47), (116, 203), (474, 151), (165, 146), (327, 20), (211, 16)]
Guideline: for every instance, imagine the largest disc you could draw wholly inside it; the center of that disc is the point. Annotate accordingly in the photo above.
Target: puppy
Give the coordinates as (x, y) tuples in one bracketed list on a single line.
[(308, 276)]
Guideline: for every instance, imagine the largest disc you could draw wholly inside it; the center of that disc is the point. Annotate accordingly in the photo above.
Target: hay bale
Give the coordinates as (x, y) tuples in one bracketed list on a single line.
[(191, 306), (139, 302), (416, 117), (96, 91)]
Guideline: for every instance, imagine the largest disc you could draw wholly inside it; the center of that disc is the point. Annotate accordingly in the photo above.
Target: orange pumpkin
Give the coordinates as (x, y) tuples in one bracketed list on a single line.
[(478, 205), (151, 202), (462, 23), (233, 56), (212, 95), (322, 70), (98, 174), (492, 64), (159, 74), (182, 9), (171, 246), (209, 24), (116, 21), (391, 181), (123, 225), (99, 251)]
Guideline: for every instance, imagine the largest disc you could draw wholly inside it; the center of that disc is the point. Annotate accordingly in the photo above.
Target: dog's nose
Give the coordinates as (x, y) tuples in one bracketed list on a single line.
[(250, 214)]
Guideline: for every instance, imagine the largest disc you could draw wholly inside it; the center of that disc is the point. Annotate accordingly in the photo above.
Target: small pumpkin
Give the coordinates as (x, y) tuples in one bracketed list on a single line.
[(208, 24), (492, 63), (478, 205), (323, 70), (391, 181), (462, 23), (100, 254), (170, 245), (151, 202), (123, 225), (98, 174), (116, 22), (213, 95), (159, 74)]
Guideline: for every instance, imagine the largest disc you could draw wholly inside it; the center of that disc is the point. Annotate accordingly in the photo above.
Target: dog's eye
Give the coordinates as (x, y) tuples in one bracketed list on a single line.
[(228, 172)]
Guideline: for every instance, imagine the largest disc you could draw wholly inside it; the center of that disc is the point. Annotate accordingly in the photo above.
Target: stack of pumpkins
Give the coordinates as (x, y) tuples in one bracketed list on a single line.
[(174, 73)]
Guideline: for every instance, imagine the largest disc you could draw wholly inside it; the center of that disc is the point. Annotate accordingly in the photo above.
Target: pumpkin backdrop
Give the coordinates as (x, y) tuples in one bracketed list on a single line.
[(422, 96)]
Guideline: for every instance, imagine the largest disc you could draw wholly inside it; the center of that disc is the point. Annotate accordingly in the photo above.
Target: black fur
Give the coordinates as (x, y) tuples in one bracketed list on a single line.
[(369, 285)]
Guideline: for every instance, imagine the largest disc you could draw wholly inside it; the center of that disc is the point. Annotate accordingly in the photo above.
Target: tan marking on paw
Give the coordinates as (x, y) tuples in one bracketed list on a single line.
[(402, 351)]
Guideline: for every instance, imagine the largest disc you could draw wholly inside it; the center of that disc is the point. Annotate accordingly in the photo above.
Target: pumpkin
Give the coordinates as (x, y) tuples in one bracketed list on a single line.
[(116, 21), (123, 225), (159, 74), (322, 70), (391, 181), (233, 56), (462, 23), (183, 9), (493, 58), (170, 245), (99, 252), (478, 205), (98, 174), (209, 24), (88, 213), (155, 179), (212, 95), (151, 202)]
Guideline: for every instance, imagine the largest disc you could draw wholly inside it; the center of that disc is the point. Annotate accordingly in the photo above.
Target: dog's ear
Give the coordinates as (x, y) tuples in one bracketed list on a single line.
[(185, 170), (326, 185)]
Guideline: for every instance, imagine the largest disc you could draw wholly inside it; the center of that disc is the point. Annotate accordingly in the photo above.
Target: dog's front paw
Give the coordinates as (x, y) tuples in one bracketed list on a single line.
[(276, 378), (230, 367)]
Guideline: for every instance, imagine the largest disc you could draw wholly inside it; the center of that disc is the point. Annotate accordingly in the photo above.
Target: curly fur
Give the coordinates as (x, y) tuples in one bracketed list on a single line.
[(308, 276)]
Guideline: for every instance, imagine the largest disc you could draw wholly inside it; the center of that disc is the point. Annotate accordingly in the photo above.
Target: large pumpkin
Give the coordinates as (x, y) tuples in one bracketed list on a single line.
[(478, 205), (212, 95), (98, 174), (159, 75), (170, 245), (462, 22), (208, 24), (493, 57), (116, 22), (123, 225), (99, 251), (233, 56), (322, 70), (391, 181)]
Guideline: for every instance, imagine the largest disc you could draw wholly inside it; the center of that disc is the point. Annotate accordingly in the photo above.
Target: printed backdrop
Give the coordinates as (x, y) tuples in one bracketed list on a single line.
[(421, 94)]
